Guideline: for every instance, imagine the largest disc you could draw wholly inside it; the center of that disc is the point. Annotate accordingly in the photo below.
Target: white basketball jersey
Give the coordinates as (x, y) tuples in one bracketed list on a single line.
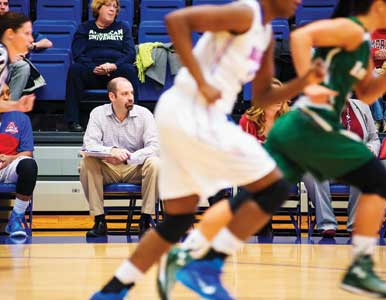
[(227, 60)]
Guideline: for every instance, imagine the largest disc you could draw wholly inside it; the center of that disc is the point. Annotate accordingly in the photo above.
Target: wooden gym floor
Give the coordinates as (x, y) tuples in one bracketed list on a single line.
[(72, 268)]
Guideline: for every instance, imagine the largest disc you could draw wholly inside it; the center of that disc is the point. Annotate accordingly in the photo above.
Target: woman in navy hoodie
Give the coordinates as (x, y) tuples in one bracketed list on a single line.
[(102, 49)]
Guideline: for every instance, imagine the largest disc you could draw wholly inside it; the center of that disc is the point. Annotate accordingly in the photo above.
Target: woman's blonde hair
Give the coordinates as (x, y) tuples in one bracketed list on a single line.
[(97, 4), (257, 115)]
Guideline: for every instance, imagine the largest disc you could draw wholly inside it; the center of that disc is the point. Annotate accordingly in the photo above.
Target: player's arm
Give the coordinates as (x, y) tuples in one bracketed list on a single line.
[(370, 88), (262, 92), (340, 32), (236, 18), (6, 106), (24, 104)]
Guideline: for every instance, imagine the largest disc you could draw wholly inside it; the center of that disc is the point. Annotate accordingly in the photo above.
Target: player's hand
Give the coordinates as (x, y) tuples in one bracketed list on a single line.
[(210, 93), (5, 160), (317, 72), (120, 154), (25, 103), (319, 94)]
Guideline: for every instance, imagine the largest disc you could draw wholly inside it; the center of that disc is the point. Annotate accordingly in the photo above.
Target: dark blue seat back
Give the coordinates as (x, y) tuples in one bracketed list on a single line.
[(215, 2), (59, 10), (280, 28), (53, 64), (21, 6), (313, 10), (153, 31), (155, 10), (151, 90), (60, 33)]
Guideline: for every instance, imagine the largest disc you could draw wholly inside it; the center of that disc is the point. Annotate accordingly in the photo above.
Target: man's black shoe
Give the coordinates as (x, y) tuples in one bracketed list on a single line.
[(76, 127), (99, 229)]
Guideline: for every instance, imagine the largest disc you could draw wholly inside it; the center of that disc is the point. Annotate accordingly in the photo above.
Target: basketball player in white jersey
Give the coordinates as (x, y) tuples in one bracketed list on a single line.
[(202, 152)]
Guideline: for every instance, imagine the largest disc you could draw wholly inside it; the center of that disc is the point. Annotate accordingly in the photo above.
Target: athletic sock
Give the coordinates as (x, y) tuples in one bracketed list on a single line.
[(226, 242), (124, 278), (363, 245), (196, 243), (20, 206)]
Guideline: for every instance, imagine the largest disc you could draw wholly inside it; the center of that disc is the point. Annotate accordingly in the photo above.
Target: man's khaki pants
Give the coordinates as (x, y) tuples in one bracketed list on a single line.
[(94, 173)]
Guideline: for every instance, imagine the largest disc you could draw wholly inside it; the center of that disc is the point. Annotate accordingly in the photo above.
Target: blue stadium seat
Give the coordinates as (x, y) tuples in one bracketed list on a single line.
[(155, 10), (153, 31), (281, 29), (313, 10), (53, 64), (21, 6), (59, 32), (319, 2), (215, 2), (59, 10), (130, 191), (8, 191), (151, 90), (126, 13)]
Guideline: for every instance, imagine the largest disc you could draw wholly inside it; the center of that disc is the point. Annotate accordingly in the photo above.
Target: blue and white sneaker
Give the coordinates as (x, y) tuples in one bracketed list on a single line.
[(110, 296), (170, 263), (15, 225), (203, 277)]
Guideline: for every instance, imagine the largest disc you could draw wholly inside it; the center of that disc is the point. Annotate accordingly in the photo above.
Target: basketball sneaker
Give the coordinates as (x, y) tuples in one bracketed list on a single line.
[(15, 225), (361, 279), (203, 277), (170, 263), (110, 296)]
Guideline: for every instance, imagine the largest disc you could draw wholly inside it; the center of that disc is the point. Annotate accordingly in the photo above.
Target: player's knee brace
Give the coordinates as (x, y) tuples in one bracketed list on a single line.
[(242, 196), (369, 178), (175, 226), (270, 199), (27, 171)]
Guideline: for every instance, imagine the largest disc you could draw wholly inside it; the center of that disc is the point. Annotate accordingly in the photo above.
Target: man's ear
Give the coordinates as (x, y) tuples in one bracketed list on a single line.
[(111, 96)]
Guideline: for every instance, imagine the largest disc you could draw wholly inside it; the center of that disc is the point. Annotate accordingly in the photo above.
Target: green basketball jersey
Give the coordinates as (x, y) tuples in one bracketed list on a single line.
[(344, 69)]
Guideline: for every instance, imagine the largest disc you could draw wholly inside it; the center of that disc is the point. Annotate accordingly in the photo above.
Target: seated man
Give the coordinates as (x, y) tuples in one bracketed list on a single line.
[(21, 78), (16, 163), (102, 49), (356, 118), (128, 132)]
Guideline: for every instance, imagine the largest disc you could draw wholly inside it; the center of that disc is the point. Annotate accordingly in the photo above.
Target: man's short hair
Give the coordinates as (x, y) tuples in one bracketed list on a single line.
[(97, 4)]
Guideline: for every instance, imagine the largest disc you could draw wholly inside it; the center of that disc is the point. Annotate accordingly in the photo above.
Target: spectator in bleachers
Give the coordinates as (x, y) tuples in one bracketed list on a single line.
[(127, 132), (15, 37), (258, 122), (102, 49), (16, 162), (378, 52), (356, 118), (23, 75), (4, 7)]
